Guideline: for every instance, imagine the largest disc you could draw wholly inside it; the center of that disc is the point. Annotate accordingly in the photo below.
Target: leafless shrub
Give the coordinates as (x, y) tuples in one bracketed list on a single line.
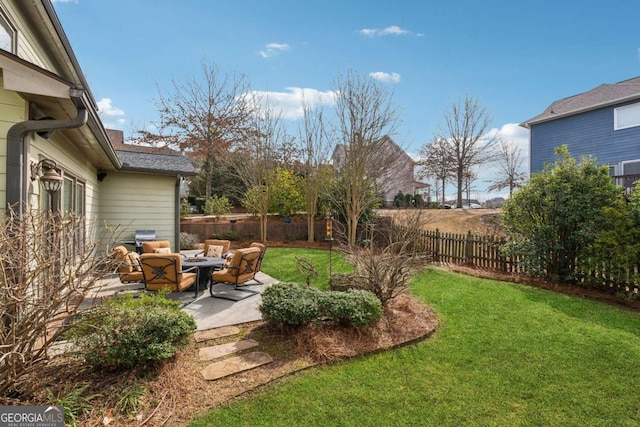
[(47, 264), (384, 264)]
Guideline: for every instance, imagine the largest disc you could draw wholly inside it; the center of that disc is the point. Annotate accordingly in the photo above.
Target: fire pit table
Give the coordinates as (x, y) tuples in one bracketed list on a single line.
[(206, 265)]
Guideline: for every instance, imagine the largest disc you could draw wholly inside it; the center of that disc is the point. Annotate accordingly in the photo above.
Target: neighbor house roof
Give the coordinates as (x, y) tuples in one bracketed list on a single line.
[(599, 97), (145, 159)]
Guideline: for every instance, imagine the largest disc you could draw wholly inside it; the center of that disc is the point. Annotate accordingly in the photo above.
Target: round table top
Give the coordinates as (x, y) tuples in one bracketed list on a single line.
[(203, 261)]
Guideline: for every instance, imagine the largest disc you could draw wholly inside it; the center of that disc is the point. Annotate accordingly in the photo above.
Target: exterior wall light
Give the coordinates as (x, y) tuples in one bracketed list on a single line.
[(46, 170)]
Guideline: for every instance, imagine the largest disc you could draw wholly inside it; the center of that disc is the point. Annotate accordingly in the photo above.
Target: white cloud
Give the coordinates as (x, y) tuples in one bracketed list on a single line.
[(273, 49), (517, 136), (106, 109), (385, 77), (393, 30), (289, 103), (112, 117)]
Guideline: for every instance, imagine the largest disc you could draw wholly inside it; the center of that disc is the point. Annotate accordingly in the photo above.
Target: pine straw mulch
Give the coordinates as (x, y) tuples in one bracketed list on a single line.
[(176, 391)]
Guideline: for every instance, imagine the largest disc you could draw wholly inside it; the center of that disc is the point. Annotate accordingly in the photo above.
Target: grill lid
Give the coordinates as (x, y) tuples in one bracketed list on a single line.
[(145, 235)]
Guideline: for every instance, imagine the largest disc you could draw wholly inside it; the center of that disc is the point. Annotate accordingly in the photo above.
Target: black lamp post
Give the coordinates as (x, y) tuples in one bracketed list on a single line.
[(329, 237)]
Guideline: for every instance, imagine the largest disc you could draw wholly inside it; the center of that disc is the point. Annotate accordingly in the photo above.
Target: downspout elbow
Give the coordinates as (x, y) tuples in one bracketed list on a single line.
[(16, 190)]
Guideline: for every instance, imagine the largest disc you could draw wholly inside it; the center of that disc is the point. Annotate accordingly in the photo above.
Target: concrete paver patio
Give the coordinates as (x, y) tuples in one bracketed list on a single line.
[(208, 312)]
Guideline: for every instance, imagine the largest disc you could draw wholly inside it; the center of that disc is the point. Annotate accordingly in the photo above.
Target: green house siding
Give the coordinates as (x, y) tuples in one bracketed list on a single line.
[(139, 202), (12, 111)]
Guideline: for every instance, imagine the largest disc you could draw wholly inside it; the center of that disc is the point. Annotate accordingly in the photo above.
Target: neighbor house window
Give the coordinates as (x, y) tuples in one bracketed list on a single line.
[(626, 117), (7, 34)]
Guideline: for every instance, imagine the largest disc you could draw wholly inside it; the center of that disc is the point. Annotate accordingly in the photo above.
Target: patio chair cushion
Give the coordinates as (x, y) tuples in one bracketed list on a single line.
[(127, 270), (214, 251), (165, 271), (134, 260), (226, 244), (241, 269), (162, 251), (149, 247)]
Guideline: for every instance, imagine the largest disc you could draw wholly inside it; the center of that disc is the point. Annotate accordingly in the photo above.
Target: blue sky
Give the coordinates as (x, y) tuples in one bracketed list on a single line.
[(515, 57)]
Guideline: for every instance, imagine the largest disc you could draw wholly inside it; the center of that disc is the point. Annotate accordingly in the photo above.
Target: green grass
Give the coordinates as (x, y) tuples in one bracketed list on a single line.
[(504, 355), (281, 263)]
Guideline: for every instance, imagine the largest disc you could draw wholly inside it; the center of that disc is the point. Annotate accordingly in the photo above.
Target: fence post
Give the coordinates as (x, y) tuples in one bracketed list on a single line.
[(437, 246), (468, 249)]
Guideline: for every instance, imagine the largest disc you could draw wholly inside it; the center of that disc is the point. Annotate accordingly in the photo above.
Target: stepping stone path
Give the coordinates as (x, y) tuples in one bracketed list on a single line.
[(212, 334), (217, 351), (236, 364), (232, 365)]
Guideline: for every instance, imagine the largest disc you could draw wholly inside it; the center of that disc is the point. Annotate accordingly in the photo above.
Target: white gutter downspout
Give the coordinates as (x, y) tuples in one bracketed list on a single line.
[(16, 178)]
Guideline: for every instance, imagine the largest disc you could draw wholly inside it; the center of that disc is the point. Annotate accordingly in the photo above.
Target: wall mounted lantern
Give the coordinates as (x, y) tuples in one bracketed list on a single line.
[(46, 170)]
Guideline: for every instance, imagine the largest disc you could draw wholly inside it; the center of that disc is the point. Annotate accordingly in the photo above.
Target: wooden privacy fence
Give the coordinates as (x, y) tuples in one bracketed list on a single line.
[(483, 251)]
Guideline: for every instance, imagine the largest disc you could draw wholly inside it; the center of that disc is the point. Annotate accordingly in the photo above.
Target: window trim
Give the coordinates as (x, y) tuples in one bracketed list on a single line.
[(11, 29), (624, 107)]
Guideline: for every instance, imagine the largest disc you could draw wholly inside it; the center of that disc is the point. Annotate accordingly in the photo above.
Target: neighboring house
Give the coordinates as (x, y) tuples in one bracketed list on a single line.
[(47, 113), (603, 122), (397, 170)]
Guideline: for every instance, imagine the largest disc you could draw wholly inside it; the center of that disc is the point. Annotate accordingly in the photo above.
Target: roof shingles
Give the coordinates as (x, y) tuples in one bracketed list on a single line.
[(601, 96), (155, 160)]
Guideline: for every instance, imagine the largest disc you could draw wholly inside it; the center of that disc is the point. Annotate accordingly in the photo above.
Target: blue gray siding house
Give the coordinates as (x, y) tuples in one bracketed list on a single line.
[(603, 122)]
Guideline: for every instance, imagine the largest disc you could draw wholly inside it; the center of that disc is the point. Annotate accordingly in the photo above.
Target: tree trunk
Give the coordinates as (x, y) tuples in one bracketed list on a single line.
[(352, 227), (208, 180), (460, 182), (263, 227), (310, 227)]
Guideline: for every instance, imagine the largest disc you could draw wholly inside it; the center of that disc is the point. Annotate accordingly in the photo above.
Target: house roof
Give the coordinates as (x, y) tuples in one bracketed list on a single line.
[(145, 159), (602, 96), (156, 163)]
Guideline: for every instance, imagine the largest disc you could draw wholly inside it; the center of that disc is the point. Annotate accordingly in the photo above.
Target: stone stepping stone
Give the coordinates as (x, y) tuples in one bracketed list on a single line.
[(233, 365), (216, 351), (211, 334)]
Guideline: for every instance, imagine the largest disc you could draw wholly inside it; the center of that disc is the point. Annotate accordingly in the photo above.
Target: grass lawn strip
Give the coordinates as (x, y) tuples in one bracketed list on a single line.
[(505, 354)]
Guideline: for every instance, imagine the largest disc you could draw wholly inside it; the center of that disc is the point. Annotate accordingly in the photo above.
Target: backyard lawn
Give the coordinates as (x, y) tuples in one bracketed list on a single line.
[(504, 355)]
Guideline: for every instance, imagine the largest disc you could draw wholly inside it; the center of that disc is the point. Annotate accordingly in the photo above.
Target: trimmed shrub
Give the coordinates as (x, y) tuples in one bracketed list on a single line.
[(291, 303), (294, 304), (126, 331), (356, 307)]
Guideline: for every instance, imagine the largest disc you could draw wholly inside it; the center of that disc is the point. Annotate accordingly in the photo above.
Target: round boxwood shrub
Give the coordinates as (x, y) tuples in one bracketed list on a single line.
[(126, 331), (355, 306), (290, 303), (295, 304)]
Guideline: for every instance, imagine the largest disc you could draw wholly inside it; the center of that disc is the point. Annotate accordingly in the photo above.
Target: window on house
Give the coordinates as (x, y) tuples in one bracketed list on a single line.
[(626, 117), (630, 174), (7, 34), (71, 199)]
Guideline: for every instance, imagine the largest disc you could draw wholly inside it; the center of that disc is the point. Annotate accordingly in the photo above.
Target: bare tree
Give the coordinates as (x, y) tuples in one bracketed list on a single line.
[(255, 163), (465, 139), (206, 116), (510, 174), (314, 150), (436, 164), (365, 114)]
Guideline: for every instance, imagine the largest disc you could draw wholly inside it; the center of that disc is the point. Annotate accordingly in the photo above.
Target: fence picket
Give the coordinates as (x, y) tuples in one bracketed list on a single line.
[(484, 251)]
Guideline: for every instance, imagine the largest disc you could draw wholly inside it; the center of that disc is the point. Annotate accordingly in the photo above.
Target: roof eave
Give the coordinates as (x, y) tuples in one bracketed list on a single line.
[(527, 124)]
